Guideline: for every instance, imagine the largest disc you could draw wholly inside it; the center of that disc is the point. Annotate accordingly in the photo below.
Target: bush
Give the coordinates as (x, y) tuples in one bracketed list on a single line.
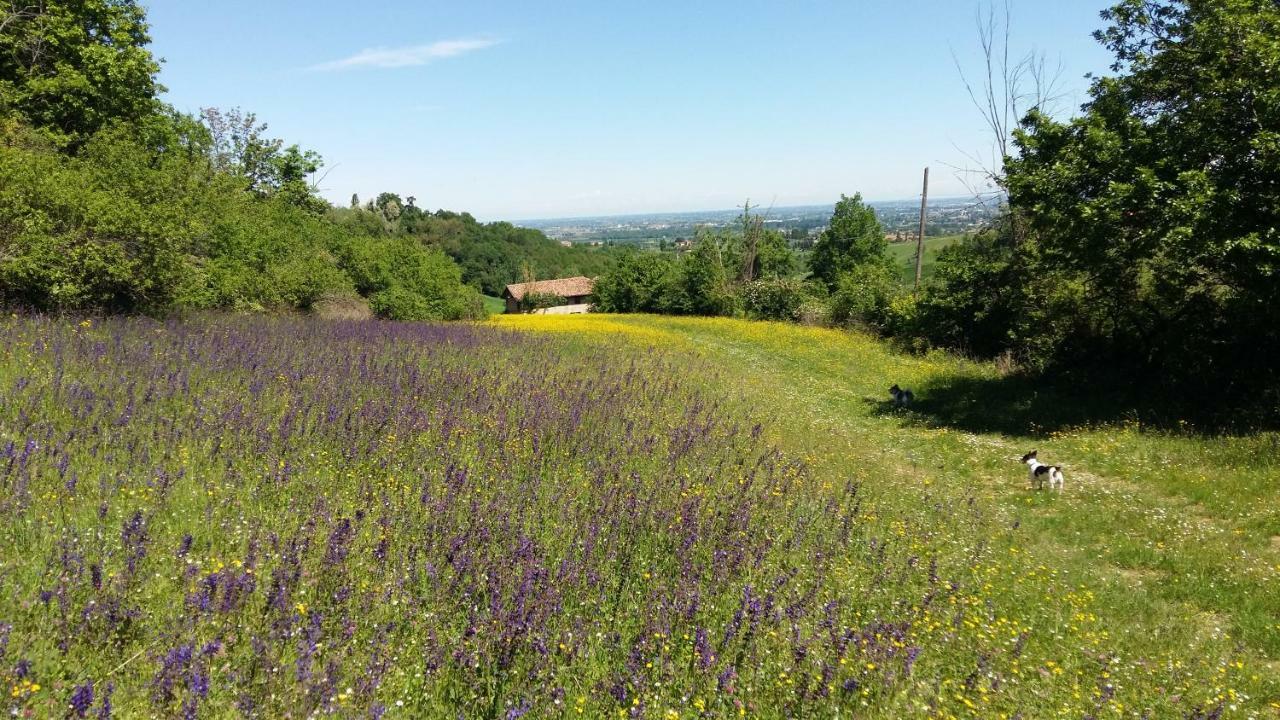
[(302, 278), (636, 283), (776, 299), (74, 239), (863, 296), (542, 300), (397, 303), (405, 265), (814, 311), (700, 285)]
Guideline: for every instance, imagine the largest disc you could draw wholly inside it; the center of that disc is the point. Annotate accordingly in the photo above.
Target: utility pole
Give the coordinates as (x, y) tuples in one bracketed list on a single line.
[(751, 229), (924, 203)]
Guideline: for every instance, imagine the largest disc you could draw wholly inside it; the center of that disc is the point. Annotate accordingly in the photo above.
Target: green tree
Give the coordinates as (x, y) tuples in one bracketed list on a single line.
[(774, 256), (239, 146), (70, 67), (1162, 200), (635, 283), (702, 284), (854, 237)]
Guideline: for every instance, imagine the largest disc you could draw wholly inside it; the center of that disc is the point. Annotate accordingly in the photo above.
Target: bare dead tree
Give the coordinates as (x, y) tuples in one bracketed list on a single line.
[(1004, 90)]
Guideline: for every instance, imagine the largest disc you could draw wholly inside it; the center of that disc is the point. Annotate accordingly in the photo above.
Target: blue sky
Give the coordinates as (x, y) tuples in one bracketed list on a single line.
[(519, 110)]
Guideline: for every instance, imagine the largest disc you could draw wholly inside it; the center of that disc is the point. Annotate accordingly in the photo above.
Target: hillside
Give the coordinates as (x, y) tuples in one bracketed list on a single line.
[(1150, 584), (603, 515), (903, 255)]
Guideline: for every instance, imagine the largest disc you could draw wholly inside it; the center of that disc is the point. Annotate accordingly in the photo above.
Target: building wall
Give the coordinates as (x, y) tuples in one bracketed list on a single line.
[(565, 310), (513, 306)]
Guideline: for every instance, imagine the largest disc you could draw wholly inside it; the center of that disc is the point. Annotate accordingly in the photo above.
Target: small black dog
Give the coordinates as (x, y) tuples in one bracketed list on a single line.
[(901, 398)]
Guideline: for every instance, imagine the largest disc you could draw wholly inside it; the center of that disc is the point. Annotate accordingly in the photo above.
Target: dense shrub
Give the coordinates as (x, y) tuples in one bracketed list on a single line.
[(701, 284), (133, 222), (398, 303), (73, 237), (301, 278), (863, 296), (774, 299), (637, 282), (542, 300)]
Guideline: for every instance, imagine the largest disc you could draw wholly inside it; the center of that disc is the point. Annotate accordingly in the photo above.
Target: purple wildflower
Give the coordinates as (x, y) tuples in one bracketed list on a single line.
[(104, 710), (82, 699)]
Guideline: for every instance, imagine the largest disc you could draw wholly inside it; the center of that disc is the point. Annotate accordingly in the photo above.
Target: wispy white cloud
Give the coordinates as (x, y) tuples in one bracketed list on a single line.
[(407, 56)]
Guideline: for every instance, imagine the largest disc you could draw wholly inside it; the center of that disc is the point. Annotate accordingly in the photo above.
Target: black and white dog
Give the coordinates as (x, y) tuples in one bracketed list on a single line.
[(901, 398), (1041, 473)]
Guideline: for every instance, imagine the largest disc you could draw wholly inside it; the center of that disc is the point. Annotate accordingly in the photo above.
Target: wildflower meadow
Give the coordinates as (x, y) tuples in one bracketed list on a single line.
[(279, 517)]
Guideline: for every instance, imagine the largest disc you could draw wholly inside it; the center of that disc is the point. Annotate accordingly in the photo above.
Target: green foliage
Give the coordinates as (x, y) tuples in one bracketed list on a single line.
[(854, 237), (774, 257), (74, 236), (1159, 208), (774, 299), (636, 283), (701, 284), (398, 303), (72, 67), (141, 219), (864, 294), (542, 300), (390, 269)]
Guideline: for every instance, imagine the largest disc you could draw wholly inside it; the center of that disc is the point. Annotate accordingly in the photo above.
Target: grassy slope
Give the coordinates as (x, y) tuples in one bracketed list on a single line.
[(903, 255), (495, 306), (1157, 570)]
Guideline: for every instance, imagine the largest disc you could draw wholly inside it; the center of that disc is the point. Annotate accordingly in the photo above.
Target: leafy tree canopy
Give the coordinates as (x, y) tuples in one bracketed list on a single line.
[(854, 237), (70, 67), (1162, 199)]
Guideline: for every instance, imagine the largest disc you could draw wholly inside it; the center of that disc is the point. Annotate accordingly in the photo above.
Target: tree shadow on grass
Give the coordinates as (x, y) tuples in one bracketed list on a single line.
[(1025, 405)]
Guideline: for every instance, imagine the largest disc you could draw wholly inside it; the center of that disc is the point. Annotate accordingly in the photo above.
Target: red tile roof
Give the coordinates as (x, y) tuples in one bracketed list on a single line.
[(564, 287)]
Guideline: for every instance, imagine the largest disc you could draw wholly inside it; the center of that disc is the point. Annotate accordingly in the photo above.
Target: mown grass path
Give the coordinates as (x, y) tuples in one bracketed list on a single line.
[(1154, 579)]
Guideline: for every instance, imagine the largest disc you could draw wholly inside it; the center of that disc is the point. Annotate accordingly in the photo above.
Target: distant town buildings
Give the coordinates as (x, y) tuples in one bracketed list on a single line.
[(946, 216)]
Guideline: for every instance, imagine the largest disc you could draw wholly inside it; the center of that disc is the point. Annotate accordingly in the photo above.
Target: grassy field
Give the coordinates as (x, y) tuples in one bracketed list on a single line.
[(604, 516), (1149, 588), (904, 256), (494, 305)]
